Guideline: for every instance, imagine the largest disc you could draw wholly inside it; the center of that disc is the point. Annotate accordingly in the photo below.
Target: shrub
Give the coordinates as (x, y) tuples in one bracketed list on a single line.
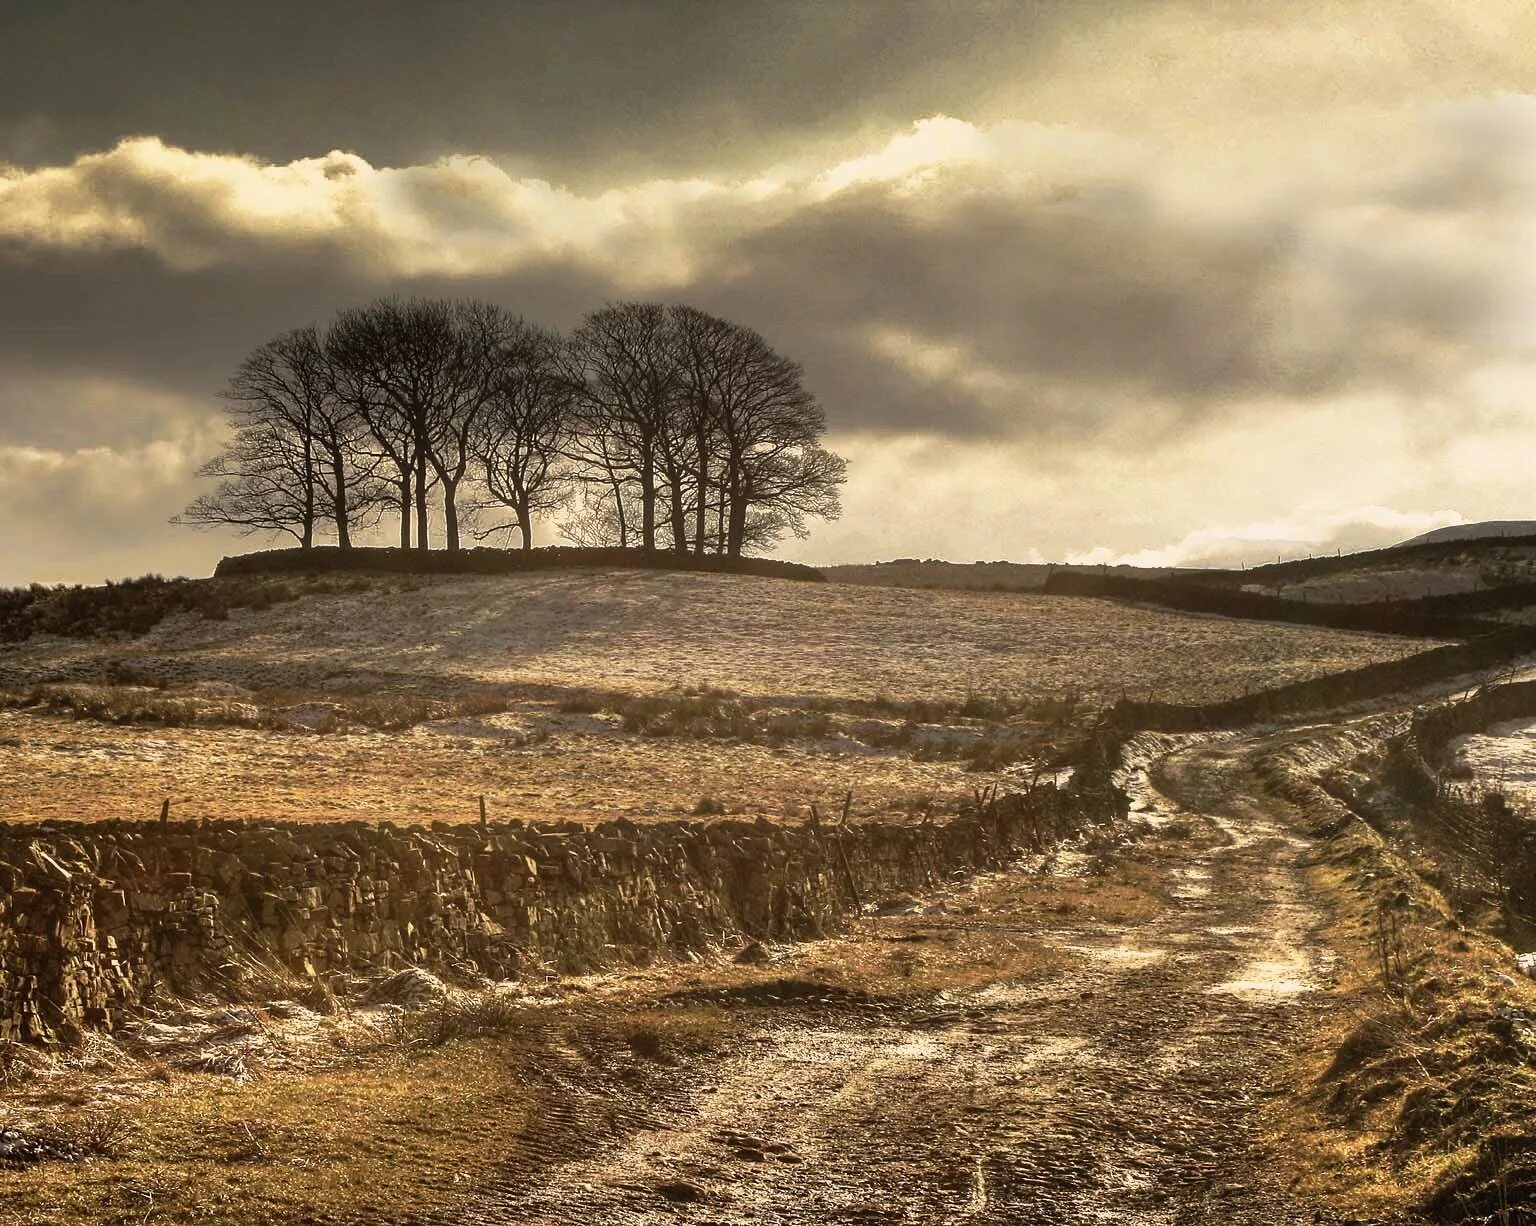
[(993, 754), (129, 607), (91, 1134), (699, 712), (646, 1042), (457, 1017), (582, 702)]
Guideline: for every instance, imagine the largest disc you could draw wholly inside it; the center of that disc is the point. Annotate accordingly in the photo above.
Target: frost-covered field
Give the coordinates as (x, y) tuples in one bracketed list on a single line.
[(1503, 758), (1483, 565), (540, 641), (641, 631)]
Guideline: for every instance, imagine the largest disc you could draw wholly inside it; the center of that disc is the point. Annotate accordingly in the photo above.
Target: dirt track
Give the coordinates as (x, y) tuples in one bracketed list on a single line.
[(1122, 1088)]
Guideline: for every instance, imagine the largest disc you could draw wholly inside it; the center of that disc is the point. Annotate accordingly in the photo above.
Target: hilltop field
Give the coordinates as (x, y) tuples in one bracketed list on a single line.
[(1433, 569), (590, 695)]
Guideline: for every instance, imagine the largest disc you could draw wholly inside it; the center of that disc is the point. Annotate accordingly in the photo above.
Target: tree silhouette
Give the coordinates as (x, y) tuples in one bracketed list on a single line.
[(662, 418), (296, 460), (520, 439)]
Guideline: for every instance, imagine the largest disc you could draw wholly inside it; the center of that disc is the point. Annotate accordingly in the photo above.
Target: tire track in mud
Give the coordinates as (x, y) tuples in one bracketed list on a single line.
[(1122, 1089)]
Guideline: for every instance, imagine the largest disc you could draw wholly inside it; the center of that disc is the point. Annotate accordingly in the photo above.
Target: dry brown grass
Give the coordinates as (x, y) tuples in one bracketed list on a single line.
[(530, 763), (282, 709), (351, 1145), (1426, 1071), (913, 958)]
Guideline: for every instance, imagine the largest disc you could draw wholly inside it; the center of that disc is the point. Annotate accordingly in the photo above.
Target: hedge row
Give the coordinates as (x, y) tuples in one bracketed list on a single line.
[(1310, 568), (132, 606), (1430, 617)]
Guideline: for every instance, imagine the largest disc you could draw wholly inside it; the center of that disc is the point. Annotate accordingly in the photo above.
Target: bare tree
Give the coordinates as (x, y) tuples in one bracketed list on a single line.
[(420, 372), (782, 489), (759, 432), (294, 462), (471, 351), (701, 338), (625, 367), (663, 417), (600, 467), (288, 381), (372, 375), (266, 483), (520, 438), (594, 520)]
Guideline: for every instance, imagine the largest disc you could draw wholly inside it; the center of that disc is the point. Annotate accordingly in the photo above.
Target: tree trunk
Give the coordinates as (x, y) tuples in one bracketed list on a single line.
[(648, 503), (308, 539), (618, 504), (422, 540), (451, 513), (679, 519), (736, 529), (405, 511), (525, 526), (702, 509), (340, 511)]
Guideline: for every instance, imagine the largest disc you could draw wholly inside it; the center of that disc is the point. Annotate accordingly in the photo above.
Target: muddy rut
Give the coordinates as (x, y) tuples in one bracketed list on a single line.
[(1122, 1088)]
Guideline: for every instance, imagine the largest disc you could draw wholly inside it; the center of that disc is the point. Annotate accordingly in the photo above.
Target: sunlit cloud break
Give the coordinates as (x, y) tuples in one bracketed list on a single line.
[(1304, 532)]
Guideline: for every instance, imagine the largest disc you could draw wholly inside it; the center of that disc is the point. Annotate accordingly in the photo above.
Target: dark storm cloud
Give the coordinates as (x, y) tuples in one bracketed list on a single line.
[(966, 305), (576, 86), (1085, 315), (1048, 300), (1114, 300), (124, 314)]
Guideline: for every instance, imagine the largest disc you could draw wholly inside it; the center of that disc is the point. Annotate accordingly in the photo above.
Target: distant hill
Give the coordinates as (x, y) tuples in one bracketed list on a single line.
[(976, 576), (1475, 532)]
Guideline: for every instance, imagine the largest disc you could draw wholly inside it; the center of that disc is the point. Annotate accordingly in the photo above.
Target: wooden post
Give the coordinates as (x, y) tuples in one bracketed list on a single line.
[(842, 852), (165, 810)]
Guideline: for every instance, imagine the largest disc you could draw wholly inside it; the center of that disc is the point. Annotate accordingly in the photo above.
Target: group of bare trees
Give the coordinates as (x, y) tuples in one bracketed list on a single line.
[(650, 425)]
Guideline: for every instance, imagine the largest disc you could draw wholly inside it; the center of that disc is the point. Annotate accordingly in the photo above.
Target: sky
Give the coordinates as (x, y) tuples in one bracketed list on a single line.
[(1160, 283)]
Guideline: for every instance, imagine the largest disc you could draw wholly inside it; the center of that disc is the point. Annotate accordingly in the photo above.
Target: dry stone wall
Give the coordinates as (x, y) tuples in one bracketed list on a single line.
[(1329, 691), (96, 918)]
